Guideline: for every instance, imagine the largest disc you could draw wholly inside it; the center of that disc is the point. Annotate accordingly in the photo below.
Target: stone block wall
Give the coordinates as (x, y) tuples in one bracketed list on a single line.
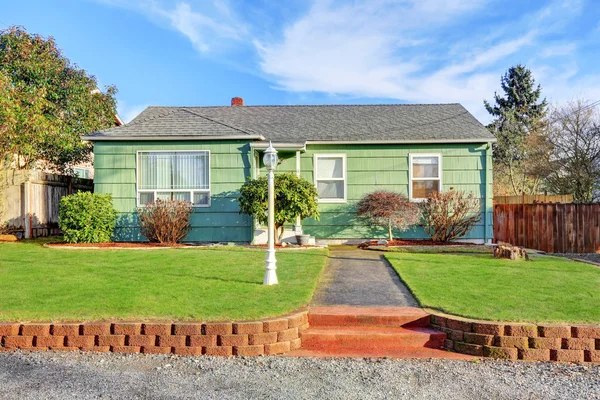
[(514, 341), (271, 336)]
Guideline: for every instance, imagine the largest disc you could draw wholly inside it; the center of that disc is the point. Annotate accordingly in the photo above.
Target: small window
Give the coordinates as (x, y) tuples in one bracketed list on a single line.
[(174, 175), (330, 177), (83, 173), (425, 175)]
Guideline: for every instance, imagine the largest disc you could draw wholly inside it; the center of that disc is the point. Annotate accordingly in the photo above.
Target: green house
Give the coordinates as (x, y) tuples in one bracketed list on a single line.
[(205, 154)]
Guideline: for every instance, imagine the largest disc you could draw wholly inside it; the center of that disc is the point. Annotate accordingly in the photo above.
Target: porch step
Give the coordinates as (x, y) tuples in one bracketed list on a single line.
[(370, 338), (368, 316), (423, 352)]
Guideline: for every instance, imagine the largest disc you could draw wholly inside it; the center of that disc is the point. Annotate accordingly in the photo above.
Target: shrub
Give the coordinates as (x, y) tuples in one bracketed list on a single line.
[(388, 209), (450, 215), (165, 221), (86, 217), (294, 197)]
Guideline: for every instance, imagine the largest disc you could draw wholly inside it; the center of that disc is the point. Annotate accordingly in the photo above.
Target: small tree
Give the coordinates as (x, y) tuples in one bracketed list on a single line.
[(450, 215), (86, 217), (294, 197), (165, 221), (388, 209)]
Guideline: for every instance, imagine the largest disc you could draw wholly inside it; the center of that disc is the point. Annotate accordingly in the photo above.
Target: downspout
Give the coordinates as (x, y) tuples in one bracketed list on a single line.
[(489, 209)]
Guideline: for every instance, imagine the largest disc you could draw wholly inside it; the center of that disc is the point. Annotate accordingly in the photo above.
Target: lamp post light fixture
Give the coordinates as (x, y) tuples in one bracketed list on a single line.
[(270, 160)]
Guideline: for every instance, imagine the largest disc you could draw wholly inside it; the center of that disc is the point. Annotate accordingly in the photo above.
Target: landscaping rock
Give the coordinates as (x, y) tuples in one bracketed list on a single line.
[(506, 250)]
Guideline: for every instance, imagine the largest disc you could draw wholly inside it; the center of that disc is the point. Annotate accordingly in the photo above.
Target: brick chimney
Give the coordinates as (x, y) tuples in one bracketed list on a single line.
[(237, 102)]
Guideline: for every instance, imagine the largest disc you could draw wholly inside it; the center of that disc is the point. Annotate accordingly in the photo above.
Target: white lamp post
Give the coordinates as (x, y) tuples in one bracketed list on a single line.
[(270, 160)]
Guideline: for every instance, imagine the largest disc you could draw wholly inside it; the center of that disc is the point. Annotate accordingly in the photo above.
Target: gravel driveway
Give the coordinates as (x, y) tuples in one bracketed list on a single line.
[(52, 375)]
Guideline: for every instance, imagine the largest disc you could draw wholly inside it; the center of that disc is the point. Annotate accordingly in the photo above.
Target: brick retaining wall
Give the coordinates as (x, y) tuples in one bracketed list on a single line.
[(513, 341), (272, 336)]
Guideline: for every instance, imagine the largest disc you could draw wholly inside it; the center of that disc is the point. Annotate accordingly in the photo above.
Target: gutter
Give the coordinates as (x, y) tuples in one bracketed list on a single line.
[(279, 146), (415, 141), (92, 138)]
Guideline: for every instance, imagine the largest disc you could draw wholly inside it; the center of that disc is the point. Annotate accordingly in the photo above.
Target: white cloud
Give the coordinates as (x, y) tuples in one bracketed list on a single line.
[(395, 50), (406, 50), (199, 28), (207, 24), (558, 50)]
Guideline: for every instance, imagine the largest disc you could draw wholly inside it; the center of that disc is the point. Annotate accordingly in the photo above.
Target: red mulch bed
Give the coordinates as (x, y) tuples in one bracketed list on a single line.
[(278, 246), (414, 242), (116, 244)]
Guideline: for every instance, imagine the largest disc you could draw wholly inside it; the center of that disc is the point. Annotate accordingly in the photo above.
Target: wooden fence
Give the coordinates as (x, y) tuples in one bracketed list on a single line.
[(554, 228), (30, 199), (534, 199)]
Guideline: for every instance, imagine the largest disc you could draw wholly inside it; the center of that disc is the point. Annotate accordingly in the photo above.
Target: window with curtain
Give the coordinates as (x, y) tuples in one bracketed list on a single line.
[(330, 177), (425, 170), (174, 175)]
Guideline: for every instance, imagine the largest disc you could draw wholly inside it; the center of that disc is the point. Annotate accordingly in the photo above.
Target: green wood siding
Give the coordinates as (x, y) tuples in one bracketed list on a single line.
[(369, 167), (230, 165), (375, 167)]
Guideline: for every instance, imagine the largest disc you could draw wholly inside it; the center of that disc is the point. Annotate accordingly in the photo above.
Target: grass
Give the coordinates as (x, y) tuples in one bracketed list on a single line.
[(224, 283), (546, 289), (480, 249)]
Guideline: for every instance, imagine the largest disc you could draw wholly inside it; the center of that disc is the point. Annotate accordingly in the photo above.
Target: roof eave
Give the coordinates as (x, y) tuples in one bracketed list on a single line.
[(93, 138), (279, 146), (396, 141)]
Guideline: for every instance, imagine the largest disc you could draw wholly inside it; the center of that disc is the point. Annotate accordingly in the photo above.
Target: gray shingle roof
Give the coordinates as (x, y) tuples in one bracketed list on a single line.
[(297, 124)]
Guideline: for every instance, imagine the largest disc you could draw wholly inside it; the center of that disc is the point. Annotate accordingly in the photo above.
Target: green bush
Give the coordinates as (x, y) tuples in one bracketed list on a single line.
[(87, 217), (294, 197)]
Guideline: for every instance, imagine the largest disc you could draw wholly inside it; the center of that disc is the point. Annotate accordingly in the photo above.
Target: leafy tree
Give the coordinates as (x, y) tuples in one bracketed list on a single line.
[(47, 103), (388, 209), (575, 164), (294, 197), (521, 150), (450, 215)]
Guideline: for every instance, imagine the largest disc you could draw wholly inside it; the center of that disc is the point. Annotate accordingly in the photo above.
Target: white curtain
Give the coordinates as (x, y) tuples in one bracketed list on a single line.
[(173, 170)]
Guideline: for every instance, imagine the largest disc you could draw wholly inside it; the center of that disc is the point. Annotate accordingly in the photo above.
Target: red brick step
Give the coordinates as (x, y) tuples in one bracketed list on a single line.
[(423, 352), (370, 338), (344, 331), (368, 316)]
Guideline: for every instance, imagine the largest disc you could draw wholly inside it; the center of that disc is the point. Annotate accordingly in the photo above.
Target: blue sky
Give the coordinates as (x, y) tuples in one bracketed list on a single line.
[(203, 52)]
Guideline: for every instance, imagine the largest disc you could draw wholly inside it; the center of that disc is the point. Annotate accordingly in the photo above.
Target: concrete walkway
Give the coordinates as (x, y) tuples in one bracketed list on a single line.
[(361, 278)]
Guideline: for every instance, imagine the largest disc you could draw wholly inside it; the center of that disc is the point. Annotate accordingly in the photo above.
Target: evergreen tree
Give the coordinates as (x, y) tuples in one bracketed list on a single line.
[(518, 122)]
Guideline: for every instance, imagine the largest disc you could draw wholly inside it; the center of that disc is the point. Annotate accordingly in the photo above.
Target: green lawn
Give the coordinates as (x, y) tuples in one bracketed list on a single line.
[(481, 249), (546, 289), (225, 283)]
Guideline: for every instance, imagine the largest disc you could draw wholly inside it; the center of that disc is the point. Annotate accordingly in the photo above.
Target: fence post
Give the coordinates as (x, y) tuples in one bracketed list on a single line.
[(27, 216)]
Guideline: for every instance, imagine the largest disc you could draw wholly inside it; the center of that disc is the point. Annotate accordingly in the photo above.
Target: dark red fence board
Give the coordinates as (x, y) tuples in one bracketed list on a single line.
[(554, 228)]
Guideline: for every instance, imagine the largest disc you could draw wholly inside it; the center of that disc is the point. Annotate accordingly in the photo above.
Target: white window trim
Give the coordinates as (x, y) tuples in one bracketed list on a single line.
[(410, 173), (190, 191), (344, 177)]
